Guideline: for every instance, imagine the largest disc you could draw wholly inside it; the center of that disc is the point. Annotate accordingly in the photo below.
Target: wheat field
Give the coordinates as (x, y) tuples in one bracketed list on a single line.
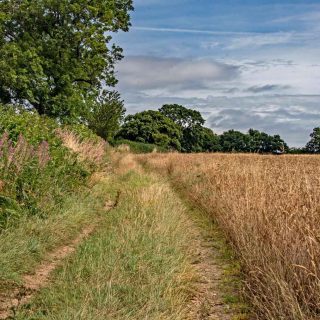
[(269, 209)]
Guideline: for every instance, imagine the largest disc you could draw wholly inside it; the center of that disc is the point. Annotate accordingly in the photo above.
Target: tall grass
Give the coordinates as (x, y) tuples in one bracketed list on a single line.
[(87, 150), (269, 208), (137, 147)]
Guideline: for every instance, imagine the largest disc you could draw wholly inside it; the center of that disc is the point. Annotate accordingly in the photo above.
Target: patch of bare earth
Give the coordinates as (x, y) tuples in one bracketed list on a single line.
[(14, 296), (208, 303)]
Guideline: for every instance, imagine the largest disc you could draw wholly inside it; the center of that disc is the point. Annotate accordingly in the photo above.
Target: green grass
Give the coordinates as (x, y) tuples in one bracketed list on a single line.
[(25, 244), (136, 265)]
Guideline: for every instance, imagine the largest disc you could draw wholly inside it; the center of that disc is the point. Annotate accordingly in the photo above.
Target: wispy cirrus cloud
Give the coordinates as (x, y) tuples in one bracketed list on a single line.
[(192, 31)]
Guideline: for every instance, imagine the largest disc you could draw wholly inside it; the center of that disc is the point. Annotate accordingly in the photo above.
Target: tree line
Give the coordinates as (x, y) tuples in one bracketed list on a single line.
[(175, 127), (179, 128)]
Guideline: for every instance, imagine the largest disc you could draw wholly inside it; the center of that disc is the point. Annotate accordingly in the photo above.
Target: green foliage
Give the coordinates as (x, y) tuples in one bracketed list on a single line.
[(263, 143), (253, 141), (156, 127), (295, 150), (139, 147), (210, 142), (55, 55), (234, 141), (35, 129), (184, 117), (36, 170), (190, 122), (105, 116), (151, 127), (82, 132), (313, 146)]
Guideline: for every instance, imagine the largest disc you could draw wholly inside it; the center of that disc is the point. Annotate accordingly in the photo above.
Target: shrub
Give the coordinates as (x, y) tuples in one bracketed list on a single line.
[(37, 168)]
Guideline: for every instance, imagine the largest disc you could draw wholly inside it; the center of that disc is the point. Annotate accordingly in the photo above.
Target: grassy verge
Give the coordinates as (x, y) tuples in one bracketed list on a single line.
[(136, 266), (24, 245)]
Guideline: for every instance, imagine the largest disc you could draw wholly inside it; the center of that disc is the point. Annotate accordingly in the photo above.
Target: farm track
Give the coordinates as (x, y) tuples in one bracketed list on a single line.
[(32, 283), (208, 303), (40, 278), (206, 300)]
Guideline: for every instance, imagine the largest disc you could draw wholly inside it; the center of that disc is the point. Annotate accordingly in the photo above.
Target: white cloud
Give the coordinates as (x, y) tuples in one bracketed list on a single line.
[(167, 74)]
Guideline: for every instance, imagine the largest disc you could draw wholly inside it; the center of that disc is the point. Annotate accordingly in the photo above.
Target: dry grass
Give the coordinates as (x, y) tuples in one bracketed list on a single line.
[(87, 150), (269, 207)]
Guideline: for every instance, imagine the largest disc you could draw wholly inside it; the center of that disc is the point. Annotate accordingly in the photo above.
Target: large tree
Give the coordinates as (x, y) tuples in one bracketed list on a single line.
[(313, 146), (190, 121), (55, 55), (151, 127), (184, 117)]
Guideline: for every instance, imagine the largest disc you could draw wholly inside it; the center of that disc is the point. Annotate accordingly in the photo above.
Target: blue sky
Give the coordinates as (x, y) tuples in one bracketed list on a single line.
[(242, 63)]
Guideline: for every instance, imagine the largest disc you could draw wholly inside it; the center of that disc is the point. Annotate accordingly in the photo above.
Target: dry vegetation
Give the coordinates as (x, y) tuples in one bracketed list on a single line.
[(87, 150), (269, 208)]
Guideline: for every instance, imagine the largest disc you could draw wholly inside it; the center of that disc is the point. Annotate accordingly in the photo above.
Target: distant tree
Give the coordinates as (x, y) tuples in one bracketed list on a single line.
[(151, 127), (55, 55), (105, 115), (190, 121), (234, 141), (278, 143), (210, 142), (294, 150), (261, 142), (184, 117), (313, 146)]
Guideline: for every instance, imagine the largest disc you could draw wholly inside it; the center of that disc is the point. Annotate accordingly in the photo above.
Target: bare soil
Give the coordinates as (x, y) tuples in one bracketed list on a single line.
[(208, 303)]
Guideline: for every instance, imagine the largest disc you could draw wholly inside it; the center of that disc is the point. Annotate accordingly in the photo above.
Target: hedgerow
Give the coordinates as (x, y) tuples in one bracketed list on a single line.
[(37, 171)]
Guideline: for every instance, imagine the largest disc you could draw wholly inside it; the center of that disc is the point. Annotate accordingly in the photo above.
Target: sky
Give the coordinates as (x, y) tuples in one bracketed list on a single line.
[(242, 63)]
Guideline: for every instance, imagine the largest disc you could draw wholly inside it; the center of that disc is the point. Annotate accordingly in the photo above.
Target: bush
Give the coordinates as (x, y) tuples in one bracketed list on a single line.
[(37, 171)]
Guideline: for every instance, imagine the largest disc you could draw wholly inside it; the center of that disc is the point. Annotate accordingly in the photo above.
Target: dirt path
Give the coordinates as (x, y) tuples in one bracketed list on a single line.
[(208, 303), (39, 279)]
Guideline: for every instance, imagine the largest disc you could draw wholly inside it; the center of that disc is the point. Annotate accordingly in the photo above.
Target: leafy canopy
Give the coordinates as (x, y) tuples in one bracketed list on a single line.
[(105, 116), (184, 117), (253, 141), (151, 127), (55, 55), (190, 121), (313, 146)]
